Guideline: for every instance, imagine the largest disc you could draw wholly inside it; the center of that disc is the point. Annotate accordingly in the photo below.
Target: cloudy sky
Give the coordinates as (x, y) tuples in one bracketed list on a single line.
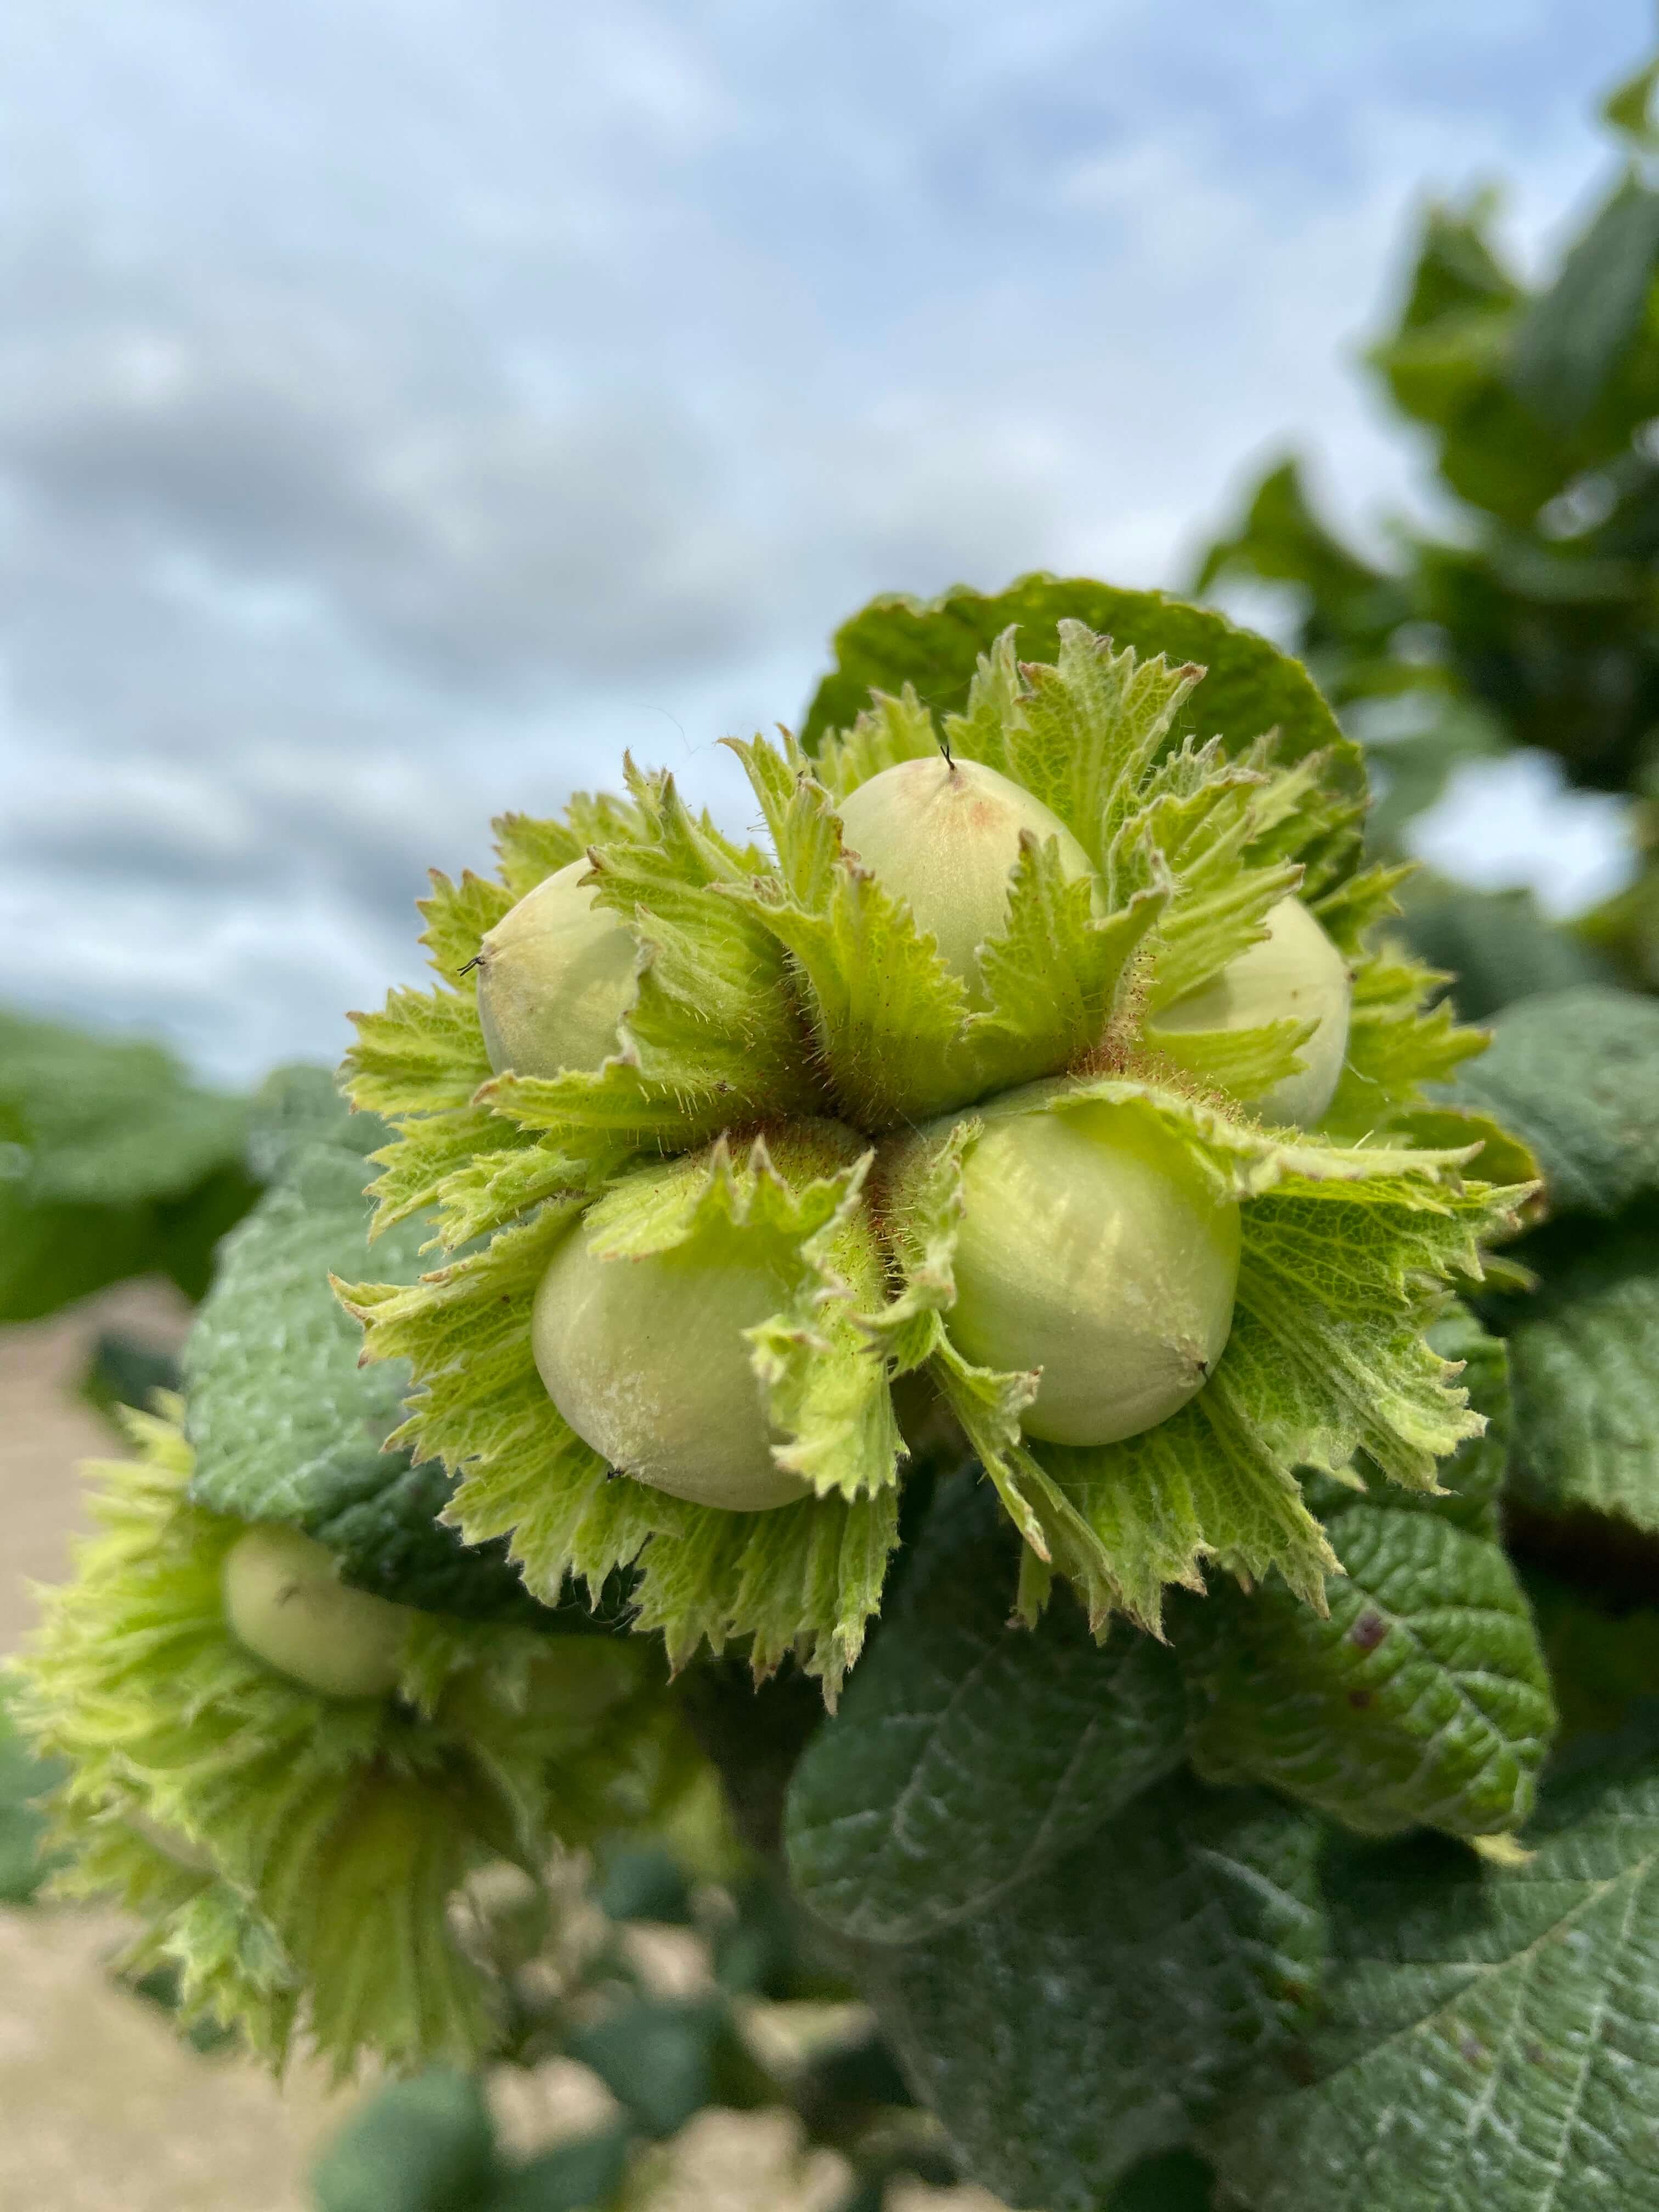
[(406, 404)]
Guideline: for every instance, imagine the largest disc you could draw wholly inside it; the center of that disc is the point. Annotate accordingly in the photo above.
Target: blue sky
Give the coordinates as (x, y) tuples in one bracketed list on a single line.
[(406, 404)]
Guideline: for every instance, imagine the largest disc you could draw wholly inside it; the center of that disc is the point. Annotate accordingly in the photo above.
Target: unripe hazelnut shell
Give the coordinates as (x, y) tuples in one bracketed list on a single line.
[(285, 1602), (556, 975), (1092, 1248), (943, 837), (647, 1360), (1294, 973)]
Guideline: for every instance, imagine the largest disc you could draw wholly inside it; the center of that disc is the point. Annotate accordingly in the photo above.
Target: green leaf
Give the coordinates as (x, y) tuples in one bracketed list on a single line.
[(23, 1779), (286, 1423), (285, 1426), (111, 1163), (1575, 1074), (1496, 945), (1250, 687), (426, 2145), (1585, 1355), (1489, 2038), (298, 1105), (1628, 108), (657, 2058), (109, 1121), (1422, 1698), (1102, 2009), (574, 2176), (969, 1753), (1573, 336)]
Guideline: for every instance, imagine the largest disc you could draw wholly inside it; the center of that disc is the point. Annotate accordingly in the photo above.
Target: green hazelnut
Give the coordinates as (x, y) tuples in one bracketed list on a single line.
[(285, 1602), (1294, 973), (943, 837), (1092, 1252), (556, 976), (647, 1360)]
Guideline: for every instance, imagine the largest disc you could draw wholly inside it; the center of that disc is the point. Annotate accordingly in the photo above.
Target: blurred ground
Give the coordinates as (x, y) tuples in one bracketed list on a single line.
[(105, 2111)]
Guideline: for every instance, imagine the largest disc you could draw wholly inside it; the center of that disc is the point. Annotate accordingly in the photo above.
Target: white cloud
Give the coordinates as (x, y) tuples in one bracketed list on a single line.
[(403, 407)]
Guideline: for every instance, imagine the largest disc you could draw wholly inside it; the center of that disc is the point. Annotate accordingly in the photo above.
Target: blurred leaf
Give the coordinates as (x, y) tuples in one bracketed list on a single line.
[(1625, 929), (1628, 108), (644, 1884), (1488, 2038), (426, 2145), (1575, 1074), (1585, 1355), (1251, 686), (52, 1254), (1282, 540), (658, 2057), (969, 1753), (125, 1371), (1456, 271), (1497, 945), (300, 1104), (110, 1121), (1101, 2011), (1571, 337), (113, 1164), (571, 2178), (23, 1778), (1412, 770)]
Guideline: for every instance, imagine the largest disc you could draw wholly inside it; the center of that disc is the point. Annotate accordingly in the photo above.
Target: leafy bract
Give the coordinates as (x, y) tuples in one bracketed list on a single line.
[(900, 1035), (1577, 1074), (799, 1578), (1207, 782), (1342, 1248), (970, 1752), (712, 1035), (1489, 2042), (285, 1422), (293, 1853), (1585, 1353), (1102, 2009)]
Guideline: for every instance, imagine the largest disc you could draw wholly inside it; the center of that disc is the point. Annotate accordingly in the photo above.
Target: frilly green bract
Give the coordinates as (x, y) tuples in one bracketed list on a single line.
[(294, 1856), (1194, 839)]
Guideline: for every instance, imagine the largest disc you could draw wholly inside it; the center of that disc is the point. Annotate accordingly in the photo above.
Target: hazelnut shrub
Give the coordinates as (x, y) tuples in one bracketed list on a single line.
[(1051, 1054)]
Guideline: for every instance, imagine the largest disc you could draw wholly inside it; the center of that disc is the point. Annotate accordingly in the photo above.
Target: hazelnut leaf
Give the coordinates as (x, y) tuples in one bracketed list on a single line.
[(890, 1832), (1117, 1998), (1575, 1074), (1585, 1355), (1487, 2035)]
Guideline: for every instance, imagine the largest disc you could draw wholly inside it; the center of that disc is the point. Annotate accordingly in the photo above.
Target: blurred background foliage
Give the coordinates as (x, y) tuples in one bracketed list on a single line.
[(1531, 618)]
